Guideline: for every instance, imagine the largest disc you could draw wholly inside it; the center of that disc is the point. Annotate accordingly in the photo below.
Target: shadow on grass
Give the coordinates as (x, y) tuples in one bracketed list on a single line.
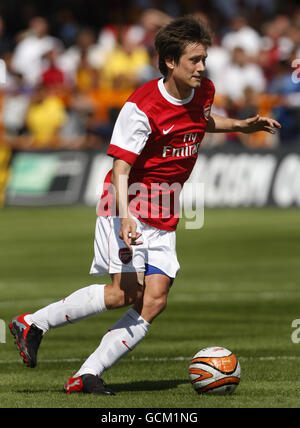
[(38, 391), (148, 385)]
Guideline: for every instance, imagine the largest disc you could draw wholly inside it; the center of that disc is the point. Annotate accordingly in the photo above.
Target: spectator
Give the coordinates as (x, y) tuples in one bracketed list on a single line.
[(68, 27), (276, 46), (107, 39), (30, 50), (124, 62), (75, 128), (85, 49), (45, 117), (240, 74), (92, 70), (217, 61), (52, 75), (87, 77), (151, 21), (287, 110), (242, 36), (107, 103), (142, 33), (15, 105), (12, 78)]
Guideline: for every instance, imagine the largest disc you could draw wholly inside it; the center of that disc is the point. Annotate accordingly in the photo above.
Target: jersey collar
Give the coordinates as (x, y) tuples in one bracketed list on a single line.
[(169, 97)]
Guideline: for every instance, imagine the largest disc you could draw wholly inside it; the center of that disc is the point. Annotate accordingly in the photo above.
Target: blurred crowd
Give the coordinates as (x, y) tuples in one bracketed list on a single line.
[(65, 88)]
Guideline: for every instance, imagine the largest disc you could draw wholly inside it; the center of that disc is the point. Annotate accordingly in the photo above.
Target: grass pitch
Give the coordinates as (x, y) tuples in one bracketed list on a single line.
[(238, 287)]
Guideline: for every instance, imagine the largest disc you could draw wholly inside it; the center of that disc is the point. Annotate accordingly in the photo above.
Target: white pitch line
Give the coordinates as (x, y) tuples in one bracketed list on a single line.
[(158, 359)]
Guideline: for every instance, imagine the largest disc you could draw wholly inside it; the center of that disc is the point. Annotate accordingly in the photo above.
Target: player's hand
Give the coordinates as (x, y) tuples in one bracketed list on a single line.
[(258, 123), (128, 233)]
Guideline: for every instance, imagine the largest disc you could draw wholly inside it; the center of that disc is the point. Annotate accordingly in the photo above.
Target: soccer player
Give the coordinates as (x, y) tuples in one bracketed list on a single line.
[(155, 146)]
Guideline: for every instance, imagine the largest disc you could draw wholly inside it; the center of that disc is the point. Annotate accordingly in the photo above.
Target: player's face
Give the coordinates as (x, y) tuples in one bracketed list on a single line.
[(191, 67)]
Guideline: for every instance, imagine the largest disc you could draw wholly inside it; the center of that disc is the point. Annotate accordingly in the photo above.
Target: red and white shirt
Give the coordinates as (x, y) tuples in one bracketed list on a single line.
[(160, 136)]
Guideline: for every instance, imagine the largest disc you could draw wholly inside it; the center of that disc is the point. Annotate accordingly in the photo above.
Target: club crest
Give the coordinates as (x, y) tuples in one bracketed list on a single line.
[(125, 255)]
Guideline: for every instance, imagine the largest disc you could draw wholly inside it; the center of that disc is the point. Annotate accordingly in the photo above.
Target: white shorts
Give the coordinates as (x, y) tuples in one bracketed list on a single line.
[(112, 256)]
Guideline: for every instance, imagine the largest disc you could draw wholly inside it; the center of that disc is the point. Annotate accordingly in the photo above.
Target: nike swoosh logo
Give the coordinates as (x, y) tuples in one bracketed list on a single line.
[(68, 319), (165, 132), (124, 343)]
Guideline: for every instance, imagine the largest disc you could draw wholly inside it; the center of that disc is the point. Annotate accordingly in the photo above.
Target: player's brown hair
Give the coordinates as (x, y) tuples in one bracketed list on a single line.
[(172, 39)]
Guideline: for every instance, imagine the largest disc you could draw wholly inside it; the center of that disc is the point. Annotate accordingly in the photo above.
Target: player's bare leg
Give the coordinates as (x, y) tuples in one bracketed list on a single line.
[(125, 335), (155, 297), (124, 290)]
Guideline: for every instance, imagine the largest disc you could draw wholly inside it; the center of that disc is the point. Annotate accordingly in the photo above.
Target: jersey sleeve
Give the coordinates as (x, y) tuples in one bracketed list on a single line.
[(131, 132), (210, 90)]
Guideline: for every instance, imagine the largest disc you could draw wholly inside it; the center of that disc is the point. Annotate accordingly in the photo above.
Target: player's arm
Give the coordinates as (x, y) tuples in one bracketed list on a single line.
[(119, 178), (218, 123), (130, 135)]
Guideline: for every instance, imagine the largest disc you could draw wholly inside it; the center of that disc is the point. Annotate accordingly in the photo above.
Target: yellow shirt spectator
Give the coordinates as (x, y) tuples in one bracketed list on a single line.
[(123, 66), (44, 119)]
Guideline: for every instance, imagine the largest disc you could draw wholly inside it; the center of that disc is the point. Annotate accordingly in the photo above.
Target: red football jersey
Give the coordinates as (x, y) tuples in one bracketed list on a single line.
[(160, 136)]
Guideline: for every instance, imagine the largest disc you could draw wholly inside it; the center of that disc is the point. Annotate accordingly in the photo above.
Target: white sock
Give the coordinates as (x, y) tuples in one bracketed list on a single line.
[(79, 305), (118, 341)]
